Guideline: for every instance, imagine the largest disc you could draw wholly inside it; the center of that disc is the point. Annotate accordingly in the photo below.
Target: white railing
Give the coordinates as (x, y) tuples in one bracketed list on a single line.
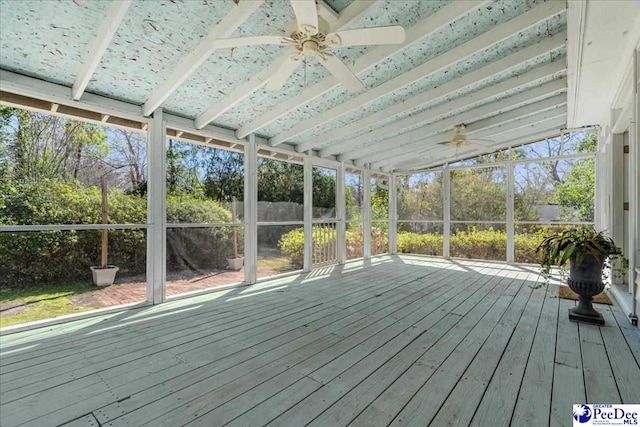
[(325, 243)]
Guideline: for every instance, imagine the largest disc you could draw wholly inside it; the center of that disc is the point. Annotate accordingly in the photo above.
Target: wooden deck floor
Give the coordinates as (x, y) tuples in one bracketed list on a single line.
[(405, 341)]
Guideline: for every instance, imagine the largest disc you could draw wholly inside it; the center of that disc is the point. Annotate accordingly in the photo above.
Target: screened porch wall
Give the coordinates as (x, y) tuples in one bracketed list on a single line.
[(499, 206)]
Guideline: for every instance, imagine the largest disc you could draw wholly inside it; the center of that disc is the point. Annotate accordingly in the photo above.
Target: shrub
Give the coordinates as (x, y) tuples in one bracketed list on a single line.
[(379, 240), (355, 243), (472, 243), (31, 257), (292, 244), (425, 244), (479, 244), (198, 248)]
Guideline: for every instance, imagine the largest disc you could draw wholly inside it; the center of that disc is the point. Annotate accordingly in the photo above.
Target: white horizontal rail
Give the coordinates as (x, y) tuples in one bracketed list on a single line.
[(72, 227), (280, 223), (204, 224)]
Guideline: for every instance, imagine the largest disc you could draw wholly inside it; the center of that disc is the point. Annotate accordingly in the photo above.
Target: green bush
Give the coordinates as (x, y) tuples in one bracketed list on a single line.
[(425, 244), (479, 244), (355, 243), (379, 240), (473, 243), (54, 256), (292, 244)]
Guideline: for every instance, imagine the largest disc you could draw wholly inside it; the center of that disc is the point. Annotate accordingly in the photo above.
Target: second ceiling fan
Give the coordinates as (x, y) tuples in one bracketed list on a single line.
[(311, 37)]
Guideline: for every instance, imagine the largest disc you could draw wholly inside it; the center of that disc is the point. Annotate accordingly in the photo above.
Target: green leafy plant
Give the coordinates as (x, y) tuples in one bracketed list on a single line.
[(559, 248)]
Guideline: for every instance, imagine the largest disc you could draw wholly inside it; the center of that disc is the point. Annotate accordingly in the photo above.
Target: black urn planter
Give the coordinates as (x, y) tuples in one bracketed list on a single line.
[(585, 279)]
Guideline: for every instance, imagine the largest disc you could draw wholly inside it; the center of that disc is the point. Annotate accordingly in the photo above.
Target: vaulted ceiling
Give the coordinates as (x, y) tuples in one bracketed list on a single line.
[(497, 66)]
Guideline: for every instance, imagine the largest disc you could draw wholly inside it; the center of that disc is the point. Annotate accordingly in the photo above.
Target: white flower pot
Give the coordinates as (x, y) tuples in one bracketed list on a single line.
[(104, 276), (235, 263)]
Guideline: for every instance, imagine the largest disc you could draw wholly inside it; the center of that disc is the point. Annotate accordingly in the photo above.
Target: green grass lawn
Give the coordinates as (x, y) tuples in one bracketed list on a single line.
[(281, 265), (53, 300), (42, 302)]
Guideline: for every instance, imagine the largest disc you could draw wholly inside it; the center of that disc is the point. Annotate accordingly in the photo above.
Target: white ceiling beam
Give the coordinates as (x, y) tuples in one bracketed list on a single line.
[(439, 111), (201, 53), (352, 12), (576, 17), (432, 135), (107, 30), (486, 128), (326, 12), (496, 132), (435, 126), (446, 60), (240, 93), (436, 154), (490, 126), (420, 164), (416, 33), (35, 88), (480, 130), (460, 83), (553, 125)]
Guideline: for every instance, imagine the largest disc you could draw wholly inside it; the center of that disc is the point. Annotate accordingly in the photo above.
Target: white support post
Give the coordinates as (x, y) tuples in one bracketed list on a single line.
[(510, 212), (612, 198), (250, 210), (366, 201), (341, 213), (446, 209), (308, 213), (393, 215), (156, 208), (634, 188)]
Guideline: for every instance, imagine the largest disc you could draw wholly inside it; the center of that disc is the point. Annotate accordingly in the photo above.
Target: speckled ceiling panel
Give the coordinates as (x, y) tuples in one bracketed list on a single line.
[(152, 39), (462, 30), (405, 13), (513, 44), (48, 39), (557, 55), (228, 68)]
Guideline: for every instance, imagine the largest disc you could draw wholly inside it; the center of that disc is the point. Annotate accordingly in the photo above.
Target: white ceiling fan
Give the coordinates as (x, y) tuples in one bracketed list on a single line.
[(310, 37), (460, 138)]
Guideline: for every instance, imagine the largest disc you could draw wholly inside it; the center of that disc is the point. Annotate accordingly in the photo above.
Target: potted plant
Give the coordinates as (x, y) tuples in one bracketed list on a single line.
[(587, 251), (104, 274), (236, 262)]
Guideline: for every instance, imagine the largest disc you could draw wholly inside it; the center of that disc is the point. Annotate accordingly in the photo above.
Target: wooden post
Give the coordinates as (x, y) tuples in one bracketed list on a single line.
[(235, 229), (105, 220)]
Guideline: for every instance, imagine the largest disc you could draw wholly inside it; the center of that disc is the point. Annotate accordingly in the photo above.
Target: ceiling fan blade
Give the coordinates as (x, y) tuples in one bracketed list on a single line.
[(340, 71), (306, 15), (283, 73), (248, 41), (368, 36)]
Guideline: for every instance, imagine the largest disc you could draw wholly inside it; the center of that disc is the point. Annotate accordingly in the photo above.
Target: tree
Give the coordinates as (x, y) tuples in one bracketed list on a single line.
[(576, 192), (40, 146), (130, 152), (478, 194), (183, 163), (224, 175)]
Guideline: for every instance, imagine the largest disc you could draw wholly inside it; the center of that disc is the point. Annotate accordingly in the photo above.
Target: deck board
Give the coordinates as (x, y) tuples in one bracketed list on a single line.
[(534, 399), (408, 340)]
